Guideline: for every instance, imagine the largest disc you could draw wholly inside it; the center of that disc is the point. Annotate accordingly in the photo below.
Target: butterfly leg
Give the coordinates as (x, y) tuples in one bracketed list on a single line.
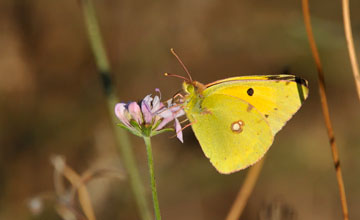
[(183, 127), (178, 95)]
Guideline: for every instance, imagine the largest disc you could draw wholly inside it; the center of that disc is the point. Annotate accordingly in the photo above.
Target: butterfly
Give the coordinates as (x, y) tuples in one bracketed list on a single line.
[(235, 119)]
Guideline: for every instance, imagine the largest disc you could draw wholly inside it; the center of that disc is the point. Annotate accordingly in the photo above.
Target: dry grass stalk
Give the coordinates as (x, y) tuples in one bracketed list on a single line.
[(350, 44), (325, 108), (245, 191)]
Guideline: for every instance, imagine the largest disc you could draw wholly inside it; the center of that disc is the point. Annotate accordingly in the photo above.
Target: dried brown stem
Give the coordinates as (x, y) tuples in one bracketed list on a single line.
[(78, 185), (245, 191), (325, 108), (350, 44), (84, 196)]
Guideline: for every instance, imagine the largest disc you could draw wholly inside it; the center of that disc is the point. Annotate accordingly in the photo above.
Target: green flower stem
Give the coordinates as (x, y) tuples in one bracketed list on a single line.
[(122, 139), (152, 178)]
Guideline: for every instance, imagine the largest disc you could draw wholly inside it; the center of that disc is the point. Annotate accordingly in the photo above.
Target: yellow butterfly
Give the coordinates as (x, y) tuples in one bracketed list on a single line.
[(235, 119)]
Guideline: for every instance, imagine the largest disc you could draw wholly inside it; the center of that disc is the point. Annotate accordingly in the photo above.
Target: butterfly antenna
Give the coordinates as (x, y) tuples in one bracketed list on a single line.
[(174, 75), (182, 64)]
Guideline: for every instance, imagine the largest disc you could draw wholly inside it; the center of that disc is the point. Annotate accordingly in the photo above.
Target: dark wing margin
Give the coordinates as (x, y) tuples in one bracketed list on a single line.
[(296, 79)]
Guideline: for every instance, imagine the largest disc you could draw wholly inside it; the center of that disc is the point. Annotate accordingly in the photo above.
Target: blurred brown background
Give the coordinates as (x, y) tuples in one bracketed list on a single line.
[(51, 102)]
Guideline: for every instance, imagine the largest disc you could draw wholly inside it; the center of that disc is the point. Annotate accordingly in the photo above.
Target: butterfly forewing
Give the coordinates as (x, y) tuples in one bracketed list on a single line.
[(276, 97)]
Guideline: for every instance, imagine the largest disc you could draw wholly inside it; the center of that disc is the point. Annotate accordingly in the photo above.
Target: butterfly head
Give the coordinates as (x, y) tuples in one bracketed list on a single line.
[(193, 87)]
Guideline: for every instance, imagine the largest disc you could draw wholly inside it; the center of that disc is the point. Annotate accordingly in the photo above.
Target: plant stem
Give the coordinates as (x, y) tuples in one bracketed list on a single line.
[(245, 191), (350, 44), (152, 178), (122, 139), (325, 109)]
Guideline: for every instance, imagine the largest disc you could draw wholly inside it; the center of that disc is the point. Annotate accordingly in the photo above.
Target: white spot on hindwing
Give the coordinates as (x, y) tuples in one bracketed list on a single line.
[(237, 126)]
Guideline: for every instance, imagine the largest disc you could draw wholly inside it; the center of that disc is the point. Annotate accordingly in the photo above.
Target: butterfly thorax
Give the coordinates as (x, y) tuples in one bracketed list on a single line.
[(194, 97)]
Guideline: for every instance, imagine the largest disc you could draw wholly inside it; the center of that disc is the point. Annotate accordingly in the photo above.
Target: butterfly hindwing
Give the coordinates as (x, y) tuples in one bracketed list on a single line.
[(232, 133)]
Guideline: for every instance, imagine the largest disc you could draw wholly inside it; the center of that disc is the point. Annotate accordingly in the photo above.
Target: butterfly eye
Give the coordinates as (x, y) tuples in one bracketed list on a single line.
[(237, 126), (189, 88)]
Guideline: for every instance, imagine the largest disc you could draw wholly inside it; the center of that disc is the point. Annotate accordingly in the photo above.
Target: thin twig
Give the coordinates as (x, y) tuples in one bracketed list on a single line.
[(350, 44), (325, 108), (122, 139), (245, 191)]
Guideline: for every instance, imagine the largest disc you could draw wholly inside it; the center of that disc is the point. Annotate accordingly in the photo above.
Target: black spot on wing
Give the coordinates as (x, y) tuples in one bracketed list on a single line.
[(250, 91)]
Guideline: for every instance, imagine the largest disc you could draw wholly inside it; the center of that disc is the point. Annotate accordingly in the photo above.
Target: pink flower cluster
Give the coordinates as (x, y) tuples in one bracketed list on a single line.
[(150, 116)]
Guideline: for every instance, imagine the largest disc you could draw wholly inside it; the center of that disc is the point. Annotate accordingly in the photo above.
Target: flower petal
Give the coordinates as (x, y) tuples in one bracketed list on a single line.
[(178, 130), (165, 113), (177, 111), (148, 100), (180, 112), (156, 104), (158, 91), (169, 113), (164, 122), (135, 112), (146, 109), (121, 113)]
